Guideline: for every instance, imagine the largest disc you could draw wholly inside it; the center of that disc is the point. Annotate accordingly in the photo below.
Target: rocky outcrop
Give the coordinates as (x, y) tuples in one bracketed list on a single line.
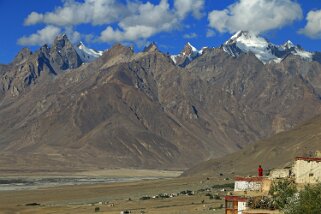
[(27, 68), (63, 55)]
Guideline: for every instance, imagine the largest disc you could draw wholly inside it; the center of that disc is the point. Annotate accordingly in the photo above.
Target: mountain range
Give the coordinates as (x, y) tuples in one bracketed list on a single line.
[(68, 107)]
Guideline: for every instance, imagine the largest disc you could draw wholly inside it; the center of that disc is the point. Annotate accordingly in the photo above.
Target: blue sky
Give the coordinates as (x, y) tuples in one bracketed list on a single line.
[(170, 23)]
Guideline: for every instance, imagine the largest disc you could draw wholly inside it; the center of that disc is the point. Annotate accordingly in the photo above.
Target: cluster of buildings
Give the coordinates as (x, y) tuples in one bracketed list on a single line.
[(304, 170)]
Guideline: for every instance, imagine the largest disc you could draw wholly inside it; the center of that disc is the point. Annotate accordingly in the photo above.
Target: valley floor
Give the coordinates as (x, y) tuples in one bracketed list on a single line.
[(116, 197)]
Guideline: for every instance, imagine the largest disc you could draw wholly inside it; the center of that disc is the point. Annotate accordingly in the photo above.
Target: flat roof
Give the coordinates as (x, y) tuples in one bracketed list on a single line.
[(308, 159), (261, 211), (250, 179), (235, 198)]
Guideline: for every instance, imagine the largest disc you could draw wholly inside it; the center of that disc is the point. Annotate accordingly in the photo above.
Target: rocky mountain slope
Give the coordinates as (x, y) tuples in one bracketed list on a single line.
[(275, 152), (29, 68), (143, 110)]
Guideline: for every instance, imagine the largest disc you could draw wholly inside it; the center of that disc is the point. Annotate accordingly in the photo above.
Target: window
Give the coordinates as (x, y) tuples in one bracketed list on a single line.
[(229, 205)]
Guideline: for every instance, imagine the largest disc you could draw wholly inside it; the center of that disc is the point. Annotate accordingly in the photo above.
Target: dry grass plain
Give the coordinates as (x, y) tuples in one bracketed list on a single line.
[(116, 197)]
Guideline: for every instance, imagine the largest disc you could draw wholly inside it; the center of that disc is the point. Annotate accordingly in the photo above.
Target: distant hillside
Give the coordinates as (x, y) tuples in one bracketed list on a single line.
[(277, 151)]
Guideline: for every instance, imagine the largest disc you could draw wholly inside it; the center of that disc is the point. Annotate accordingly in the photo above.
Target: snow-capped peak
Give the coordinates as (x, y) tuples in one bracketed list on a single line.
[(87, 54), (246, 41), (247, 38), (192, 47), (189, 50), (288, 45), (188, 54), (202, 50), (266, 52)]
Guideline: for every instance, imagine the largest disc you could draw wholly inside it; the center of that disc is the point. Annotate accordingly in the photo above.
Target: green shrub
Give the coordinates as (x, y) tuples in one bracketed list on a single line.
[(282, 192), (260, 202), (308, 201), (220, 186)]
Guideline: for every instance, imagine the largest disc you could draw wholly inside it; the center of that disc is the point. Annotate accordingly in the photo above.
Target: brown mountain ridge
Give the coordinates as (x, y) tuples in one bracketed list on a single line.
[(141, 110)]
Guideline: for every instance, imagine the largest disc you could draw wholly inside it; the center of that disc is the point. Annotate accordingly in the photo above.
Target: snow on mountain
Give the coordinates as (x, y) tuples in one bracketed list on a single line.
[(288, 44), (87, 54), (188, 54), (241, 42), (296, 50), (244, 42), (173, 57), (266, 52)]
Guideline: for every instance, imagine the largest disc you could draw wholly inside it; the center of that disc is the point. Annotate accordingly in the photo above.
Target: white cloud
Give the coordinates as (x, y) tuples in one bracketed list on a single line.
[(33, 18), (132, 21), (313, 26), (183, 7), (43, 36), (148, 20), (130, 34), (190, 35), (255, 15), (73, 36), (95, 12)]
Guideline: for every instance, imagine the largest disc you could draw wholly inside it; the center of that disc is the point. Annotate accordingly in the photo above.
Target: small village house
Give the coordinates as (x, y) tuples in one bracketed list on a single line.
[(304, 170), (307, 170)]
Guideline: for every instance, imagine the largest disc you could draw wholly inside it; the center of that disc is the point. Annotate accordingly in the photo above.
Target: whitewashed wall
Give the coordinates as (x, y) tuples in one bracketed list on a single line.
[(241, 206), (307, 172), (280, 173), (247, 186)]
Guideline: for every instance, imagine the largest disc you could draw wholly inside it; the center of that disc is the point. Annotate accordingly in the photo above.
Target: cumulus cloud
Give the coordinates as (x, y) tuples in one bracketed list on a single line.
[(148, 20), (95, 12), (33, 18), (313, 26), (73, 36), (183, 7), (132, 33), (131, 21), (255, 15), (43, 36)]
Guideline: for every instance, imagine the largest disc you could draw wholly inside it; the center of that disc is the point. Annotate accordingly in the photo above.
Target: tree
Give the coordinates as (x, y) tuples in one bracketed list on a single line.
[(308, 201), (282, 192)]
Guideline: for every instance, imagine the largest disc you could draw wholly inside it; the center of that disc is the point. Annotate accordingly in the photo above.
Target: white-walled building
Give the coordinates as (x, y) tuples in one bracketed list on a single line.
[(280, 173), (259, 184), (235, 204), (307, 170)]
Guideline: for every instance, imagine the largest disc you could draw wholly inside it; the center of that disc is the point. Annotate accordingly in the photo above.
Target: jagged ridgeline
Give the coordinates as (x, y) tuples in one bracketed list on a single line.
[(68, 107)]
